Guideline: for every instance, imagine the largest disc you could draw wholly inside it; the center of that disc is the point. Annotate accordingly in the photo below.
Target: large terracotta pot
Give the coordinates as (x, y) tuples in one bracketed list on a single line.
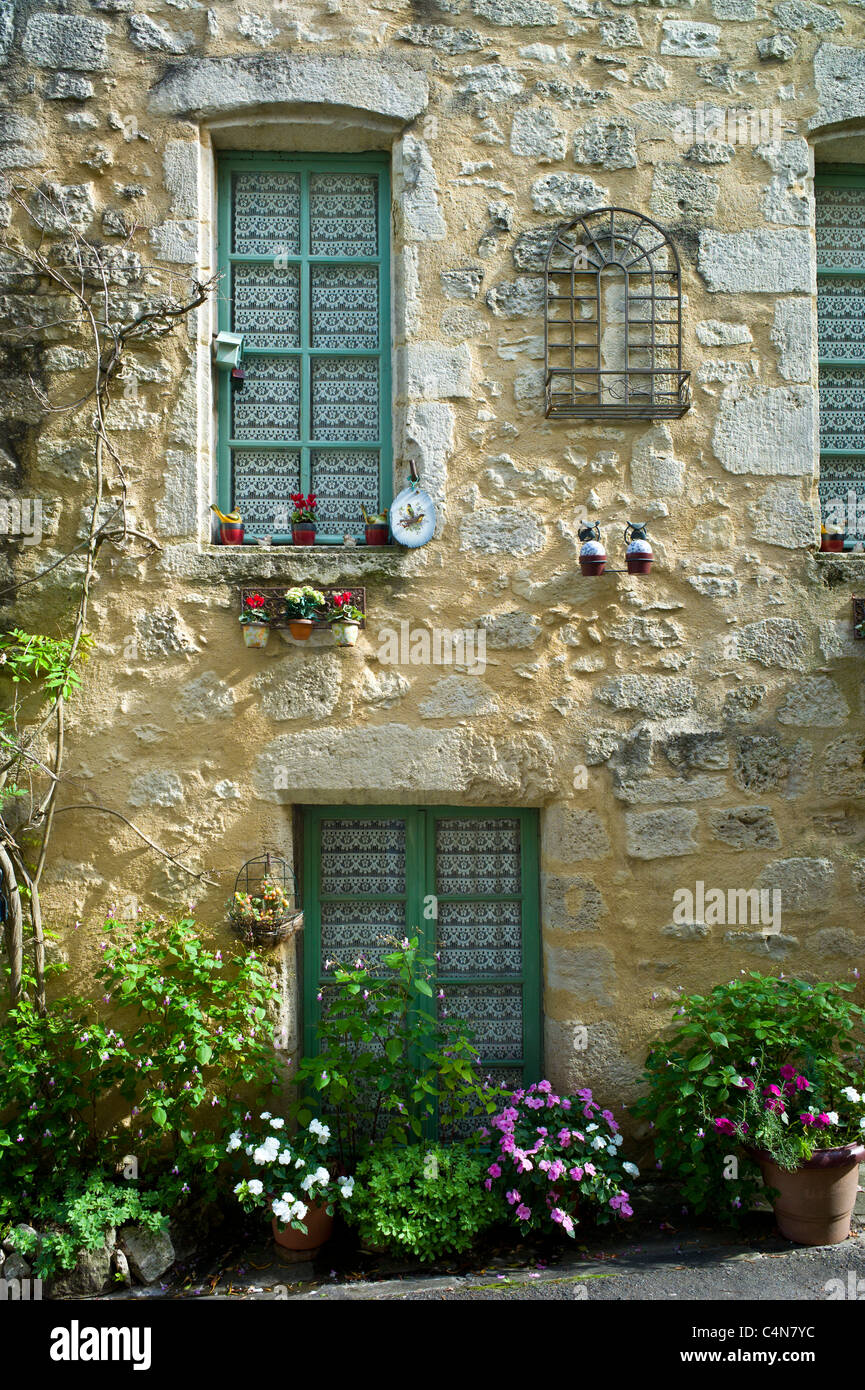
[(815, 1201), (300, 628), (319, 1227)]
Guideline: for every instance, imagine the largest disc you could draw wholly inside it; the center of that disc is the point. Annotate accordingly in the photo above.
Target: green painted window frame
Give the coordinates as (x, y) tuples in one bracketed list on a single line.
[(420, 883), (305, 165), (839, 176)]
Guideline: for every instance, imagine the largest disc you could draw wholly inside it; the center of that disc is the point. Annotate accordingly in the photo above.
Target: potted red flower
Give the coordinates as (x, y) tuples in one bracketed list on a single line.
[(345, 619), (303, 520), (255, 620)]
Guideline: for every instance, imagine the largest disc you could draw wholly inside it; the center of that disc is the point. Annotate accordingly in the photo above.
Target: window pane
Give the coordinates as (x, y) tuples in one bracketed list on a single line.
[(363, 856), (478, 856), (842, 407), (344, 480), (840, 317), (352, 929), (263, 480), (480, 938), (343, 214), (840, 227), (266, 214), (267, 404), (267, 305), (345, 306), (495, 1013), (345, 398)]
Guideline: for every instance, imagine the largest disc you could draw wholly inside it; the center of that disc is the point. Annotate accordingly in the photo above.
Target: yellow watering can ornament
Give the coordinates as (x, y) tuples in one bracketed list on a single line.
[(227, 518), (230, 526)]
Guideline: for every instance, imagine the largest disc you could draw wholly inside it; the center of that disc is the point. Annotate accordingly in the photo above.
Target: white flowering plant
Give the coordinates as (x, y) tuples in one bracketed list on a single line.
[(286, 1174)]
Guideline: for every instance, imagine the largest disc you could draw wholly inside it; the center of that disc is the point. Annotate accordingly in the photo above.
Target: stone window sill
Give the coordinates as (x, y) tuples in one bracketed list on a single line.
[(322, 564)]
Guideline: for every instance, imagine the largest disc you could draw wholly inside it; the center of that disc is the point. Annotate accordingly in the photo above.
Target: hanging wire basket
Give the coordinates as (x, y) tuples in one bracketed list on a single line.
[(265, 909)]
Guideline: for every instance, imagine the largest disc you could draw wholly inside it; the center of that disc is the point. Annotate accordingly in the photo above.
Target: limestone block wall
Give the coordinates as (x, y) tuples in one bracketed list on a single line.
[(701, 724)]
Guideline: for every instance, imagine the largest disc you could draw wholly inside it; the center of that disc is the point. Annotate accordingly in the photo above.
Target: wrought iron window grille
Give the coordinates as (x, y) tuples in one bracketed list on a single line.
[(613, 320)]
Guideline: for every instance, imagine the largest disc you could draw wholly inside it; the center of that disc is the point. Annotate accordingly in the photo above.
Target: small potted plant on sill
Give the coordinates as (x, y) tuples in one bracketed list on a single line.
[(303, 519), (303, 605), (376, 527), (345, 619), (265, 918), (292, 1180), (832, 538), (255, 620)]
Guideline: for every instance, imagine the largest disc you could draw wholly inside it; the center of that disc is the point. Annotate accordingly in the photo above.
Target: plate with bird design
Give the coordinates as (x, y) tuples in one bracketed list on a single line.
[(413, 517)]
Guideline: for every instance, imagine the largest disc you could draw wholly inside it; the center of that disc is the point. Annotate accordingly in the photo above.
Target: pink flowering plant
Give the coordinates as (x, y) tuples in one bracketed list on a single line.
[(790, 1115), (555, 1153)]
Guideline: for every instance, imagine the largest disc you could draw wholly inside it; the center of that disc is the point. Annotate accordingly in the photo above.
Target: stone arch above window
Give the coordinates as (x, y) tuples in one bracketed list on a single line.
[(613, 319)]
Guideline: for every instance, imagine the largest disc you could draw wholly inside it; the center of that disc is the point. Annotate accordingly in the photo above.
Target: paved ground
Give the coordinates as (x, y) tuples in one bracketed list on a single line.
[(661, 1271)]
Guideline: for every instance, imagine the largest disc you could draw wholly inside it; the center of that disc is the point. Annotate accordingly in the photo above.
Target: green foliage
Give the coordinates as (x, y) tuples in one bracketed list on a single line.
[(421, 1201), (178, 1035), (78, 1218), (387, 1065), (27, 657), (197, 1035), (694, 1071)]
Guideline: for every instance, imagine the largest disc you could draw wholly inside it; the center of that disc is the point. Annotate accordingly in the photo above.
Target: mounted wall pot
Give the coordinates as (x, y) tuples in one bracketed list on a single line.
[(593, 557), (638, 551)]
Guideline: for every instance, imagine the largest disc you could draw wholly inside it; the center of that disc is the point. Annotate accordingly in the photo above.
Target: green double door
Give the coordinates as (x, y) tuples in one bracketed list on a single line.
[(465, 881)]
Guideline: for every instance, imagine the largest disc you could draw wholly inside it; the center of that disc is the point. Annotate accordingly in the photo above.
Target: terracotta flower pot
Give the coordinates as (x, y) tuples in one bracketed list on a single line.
[(319, 1227), (345, 634), (300, 628), (639, 564), (377, 535), (303, 535), (230, 534), (256, 634), (815, 1201)]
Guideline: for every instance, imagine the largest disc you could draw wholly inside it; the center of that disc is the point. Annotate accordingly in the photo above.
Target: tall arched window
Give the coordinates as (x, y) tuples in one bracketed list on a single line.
[(613, 322)]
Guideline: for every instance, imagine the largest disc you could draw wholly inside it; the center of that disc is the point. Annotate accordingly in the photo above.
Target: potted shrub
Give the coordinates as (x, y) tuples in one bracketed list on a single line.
[(376, 527), (554, 1154), (717, 1049), (265, 918), (255, 619), (303, 605), (303, 520), (290, 1178), (807, 1142), (345, 619)]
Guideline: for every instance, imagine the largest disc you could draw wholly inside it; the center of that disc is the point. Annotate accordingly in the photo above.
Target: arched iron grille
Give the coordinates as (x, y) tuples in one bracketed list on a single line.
[(613, 320)]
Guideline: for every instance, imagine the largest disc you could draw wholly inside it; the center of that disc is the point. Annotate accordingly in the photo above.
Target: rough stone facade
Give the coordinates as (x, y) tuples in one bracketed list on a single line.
[(704, 723)]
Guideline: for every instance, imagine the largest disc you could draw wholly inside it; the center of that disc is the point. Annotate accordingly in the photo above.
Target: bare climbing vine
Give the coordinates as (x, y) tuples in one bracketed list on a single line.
[(44, 671)]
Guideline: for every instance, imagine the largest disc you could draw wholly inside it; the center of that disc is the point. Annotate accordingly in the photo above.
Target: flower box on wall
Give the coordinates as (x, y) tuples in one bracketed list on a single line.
[(275, 599)]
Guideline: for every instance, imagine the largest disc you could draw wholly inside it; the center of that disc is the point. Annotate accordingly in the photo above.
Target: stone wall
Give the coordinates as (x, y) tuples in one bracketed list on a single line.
[(704, 723)]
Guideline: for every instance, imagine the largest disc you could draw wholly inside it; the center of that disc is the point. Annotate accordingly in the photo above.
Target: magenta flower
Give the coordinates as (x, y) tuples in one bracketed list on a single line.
[(576, 1174), (523, 1212), (724, 1126), (494, 1170)]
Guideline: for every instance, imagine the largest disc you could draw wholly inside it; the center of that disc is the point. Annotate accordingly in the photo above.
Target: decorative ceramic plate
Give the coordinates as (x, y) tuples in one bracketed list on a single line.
[(413, 517)]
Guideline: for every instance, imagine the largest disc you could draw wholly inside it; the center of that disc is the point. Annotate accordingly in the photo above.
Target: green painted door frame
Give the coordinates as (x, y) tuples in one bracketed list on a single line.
[(420, 882)]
